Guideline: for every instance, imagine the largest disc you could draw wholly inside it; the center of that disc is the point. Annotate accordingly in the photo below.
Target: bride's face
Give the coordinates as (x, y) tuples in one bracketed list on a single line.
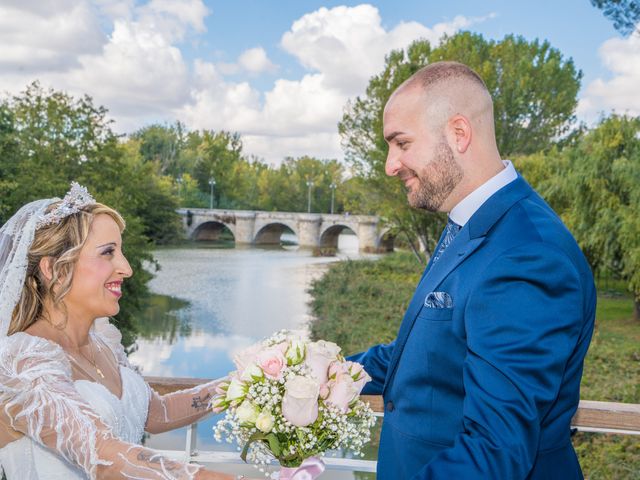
[(99, 272)]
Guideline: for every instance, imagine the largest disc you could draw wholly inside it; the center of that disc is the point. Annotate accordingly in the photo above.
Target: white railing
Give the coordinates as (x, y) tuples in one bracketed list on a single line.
[(592, 416)]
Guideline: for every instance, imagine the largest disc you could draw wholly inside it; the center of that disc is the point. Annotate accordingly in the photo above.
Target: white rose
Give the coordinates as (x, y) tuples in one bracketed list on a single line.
[(265, 421), (236, 391), (252, 373), (247, 412), (320, 354), (295, 352), (300, 401)]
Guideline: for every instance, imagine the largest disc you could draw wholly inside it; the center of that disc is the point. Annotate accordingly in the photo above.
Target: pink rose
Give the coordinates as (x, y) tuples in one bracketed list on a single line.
[(272, 361), (246, 356), (359, 375), (320, 354), (324, 391), (343, 391), (300, 401), (336, 368)]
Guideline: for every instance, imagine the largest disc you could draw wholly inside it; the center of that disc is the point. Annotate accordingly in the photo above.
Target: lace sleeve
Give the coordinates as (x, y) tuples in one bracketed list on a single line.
[(166, 412), (177, 409), (38, 399)]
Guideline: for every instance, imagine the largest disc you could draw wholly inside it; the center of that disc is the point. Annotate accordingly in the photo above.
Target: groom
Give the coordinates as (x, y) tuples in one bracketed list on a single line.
[(484, 376)]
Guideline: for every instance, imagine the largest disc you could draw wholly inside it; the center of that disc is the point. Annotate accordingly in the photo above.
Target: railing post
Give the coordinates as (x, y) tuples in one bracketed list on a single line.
[(192, 440)]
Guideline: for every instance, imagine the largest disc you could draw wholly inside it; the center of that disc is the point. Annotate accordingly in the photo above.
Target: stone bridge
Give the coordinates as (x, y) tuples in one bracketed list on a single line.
[(260, 228)]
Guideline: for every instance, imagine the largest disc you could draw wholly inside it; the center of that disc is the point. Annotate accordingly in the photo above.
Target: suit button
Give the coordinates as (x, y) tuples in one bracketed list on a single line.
[(390, 406)]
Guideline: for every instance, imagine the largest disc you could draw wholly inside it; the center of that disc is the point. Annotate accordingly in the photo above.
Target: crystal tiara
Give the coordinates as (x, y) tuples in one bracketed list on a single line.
[(75, 199)]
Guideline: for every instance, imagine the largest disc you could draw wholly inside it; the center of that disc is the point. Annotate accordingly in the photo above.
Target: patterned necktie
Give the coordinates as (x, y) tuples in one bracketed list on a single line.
[(450, 233)]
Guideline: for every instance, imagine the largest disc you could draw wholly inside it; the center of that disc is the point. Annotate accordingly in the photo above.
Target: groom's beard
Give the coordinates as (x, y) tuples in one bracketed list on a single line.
[(436, 181)]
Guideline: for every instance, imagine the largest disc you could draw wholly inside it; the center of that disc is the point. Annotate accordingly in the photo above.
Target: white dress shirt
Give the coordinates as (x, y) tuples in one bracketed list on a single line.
[(464, 210)]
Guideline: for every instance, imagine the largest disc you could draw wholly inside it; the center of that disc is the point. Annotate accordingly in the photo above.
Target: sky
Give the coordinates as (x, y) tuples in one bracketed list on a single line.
[(279, 72)]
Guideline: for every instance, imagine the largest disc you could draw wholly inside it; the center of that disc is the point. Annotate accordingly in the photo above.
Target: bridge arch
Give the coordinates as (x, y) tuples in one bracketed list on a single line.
[(271, 233), (329, 236), (211, 230), (386, 240)]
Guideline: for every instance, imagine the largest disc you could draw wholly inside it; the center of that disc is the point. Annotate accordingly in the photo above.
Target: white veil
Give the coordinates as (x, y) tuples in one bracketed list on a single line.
[(16, 237), (38, 395)]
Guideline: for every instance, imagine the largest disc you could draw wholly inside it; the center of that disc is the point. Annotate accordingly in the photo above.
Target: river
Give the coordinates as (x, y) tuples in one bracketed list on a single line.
[(210, 302)]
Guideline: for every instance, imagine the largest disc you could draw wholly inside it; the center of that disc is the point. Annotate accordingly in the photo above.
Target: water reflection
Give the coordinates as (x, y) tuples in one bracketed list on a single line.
[(212, 302)]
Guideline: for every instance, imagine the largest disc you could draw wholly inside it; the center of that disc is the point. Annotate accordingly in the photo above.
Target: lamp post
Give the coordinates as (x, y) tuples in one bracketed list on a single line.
[(333, 191), (212, 183), (309, 185)]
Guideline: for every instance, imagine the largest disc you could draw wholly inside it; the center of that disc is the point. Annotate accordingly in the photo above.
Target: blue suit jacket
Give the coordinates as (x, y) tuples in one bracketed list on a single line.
[(486, 389)]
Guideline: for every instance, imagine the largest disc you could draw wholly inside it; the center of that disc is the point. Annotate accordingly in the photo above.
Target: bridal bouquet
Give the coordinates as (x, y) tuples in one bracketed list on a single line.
[(293, 399)]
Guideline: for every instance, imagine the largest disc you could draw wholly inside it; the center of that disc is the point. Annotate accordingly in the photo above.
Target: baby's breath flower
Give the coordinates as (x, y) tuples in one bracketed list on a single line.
[(334, 429)]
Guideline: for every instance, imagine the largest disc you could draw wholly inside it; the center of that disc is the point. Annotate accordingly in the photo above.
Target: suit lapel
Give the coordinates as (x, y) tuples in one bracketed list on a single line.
[(470, 237), (461, 248)]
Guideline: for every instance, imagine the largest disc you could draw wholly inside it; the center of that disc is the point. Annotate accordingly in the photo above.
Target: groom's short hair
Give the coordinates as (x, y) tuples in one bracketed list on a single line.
[(440, 72)]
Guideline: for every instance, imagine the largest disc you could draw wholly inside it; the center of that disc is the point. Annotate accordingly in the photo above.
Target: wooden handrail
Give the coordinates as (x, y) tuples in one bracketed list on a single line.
[(606, 417)]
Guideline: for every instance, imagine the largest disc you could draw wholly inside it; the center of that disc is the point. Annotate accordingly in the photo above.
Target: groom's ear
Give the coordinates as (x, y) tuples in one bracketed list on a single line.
[(460, 128), (46, 268)]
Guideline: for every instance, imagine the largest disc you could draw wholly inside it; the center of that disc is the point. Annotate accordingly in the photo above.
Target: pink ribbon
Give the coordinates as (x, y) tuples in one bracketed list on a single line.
[(310, 469)]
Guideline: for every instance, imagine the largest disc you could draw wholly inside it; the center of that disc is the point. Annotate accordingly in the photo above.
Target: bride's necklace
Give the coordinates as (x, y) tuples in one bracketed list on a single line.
[(92, 361)]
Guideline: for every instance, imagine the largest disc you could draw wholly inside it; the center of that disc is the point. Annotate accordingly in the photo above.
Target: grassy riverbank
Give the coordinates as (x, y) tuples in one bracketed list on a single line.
[(359, 303)]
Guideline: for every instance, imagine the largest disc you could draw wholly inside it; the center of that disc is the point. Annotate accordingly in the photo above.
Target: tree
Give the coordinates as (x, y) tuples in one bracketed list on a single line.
[(602, 178), (534, 91), (55, 138), (217, 155), (162, 145), (625, 14), (8, 166), (285, 188)]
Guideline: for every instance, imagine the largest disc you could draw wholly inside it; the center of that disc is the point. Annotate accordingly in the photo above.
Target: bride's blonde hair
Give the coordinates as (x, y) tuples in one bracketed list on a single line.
[(61, 242)]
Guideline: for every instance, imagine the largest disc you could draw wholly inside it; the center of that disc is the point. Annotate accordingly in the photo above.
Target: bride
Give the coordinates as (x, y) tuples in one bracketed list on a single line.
[(71, 406)]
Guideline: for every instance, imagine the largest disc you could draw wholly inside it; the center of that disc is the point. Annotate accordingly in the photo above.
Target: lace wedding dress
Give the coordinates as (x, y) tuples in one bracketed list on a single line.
[(67, 427)]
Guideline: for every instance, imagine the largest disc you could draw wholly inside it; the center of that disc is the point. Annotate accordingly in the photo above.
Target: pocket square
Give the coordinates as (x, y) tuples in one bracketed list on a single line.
[(438, 300)]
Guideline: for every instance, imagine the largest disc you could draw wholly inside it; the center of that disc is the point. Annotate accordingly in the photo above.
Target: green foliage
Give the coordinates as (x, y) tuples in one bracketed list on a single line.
[(190, 195), (48, 138), (611, 366), (606, 457), (192, 159), (286, 188), (534, 90), (162, 145), (625, 14), (218, 153), (361, 303), (593, 185)]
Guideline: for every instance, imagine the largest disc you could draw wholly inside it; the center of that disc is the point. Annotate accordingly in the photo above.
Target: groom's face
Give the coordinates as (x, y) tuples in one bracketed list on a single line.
[(418, 152)]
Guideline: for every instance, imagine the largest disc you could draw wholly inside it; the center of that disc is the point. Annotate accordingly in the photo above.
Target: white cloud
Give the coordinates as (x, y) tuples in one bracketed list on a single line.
[(255, 60), (276, 148), (53, 40), (342, 47), (136, 68), (621, 56), (128, 56), (116, 9), (138, 71), (348, 44), (173, 18), (252, 61)]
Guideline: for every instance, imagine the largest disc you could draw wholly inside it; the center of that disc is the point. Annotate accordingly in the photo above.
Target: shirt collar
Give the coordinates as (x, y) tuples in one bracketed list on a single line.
[(465, 209)]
